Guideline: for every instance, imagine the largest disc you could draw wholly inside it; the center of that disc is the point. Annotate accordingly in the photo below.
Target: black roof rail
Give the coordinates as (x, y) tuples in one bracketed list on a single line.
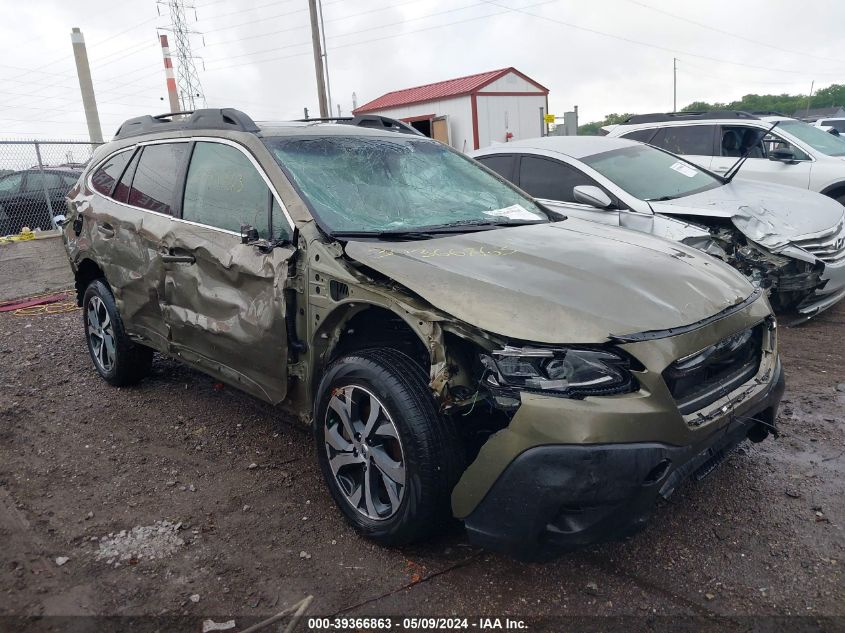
[(662, 117), (205, 119), (769, 113), (369, 120)]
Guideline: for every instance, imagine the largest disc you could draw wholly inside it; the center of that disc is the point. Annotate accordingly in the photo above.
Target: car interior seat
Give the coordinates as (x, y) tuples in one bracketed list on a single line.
[(731, 143)]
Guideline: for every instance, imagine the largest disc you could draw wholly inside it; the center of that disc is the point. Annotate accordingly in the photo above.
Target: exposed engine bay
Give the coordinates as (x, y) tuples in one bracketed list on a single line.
[(787, 280)]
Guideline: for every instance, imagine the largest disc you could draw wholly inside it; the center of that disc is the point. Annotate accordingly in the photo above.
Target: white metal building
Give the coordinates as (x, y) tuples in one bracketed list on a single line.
[(470, 112)]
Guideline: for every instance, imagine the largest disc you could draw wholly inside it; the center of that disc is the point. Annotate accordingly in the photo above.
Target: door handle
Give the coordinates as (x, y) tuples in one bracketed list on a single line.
[(178, 259), (106, 229)]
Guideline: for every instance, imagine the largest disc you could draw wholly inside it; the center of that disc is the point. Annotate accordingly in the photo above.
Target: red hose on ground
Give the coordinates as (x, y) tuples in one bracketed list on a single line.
[(17, 304)]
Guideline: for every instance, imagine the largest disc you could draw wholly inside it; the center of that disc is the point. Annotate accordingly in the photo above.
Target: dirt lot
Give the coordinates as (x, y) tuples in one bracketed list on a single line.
[(81, 462)]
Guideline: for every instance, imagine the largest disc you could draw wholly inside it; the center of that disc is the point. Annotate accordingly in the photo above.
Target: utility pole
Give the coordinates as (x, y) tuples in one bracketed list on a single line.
[(318, 60), (86, 86), (325, 56), (172, 93), (187, 78), (810, 98), (674, 84)]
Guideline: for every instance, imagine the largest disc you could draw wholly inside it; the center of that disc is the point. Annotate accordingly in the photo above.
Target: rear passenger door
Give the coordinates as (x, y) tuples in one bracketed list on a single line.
[(224, 300), (127, 223), (696, 143)]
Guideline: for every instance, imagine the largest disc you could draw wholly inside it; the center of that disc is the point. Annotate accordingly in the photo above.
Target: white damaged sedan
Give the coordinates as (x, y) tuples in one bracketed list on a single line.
[(788, 240)]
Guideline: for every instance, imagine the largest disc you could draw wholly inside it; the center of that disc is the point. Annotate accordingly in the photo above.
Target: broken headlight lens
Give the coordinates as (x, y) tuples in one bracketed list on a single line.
[(570, 371)]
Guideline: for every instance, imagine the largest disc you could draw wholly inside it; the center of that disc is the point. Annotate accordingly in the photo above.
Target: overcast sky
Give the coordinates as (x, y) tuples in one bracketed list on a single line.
[(603, 55)]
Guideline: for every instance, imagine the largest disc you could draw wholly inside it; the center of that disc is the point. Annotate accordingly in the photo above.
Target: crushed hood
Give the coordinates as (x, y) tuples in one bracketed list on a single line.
[(769, 214), (567, 282)]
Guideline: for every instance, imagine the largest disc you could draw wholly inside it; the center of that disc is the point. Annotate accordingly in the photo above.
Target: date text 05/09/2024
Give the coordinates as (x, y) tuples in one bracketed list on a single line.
[(415, 624)]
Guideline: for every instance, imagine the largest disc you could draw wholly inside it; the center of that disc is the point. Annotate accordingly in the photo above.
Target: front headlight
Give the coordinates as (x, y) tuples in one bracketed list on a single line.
[(568, 371)]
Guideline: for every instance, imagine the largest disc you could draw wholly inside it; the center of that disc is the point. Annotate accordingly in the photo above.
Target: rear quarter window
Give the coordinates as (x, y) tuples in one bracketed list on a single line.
[(107, 174)]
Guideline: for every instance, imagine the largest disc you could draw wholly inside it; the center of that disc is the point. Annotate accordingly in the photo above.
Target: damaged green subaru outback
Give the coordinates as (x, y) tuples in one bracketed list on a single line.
[(459, 350)]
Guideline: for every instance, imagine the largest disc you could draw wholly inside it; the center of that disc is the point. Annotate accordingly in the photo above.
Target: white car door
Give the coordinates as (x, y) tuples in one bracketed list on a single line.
[(758, 166)]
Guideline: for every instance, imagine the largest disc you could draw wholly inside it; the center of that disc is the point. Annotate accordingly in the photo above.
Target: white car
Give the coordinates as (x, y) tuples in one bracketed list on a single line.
[(828, 125), (787, 240), (793, 153)]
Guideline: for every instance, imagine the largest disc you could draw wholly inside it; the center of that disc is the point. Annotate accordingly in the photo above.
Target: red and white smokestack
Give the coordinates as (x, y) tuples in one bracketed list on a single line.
[(172, 93)]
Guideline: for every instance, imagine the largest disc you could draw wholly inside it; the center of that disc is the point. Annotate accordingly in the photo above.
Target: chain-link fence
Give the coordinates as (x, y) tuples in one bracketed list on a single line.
[(34, 178)]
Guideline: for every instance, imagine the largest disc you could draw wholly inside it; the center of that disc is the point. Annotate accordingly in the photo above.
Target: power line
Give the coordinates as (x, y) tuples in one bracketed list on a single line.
[(655, 46), (736, 35), (260, 6), (695, 72), (387, 37), (299, 28), (367, 30)]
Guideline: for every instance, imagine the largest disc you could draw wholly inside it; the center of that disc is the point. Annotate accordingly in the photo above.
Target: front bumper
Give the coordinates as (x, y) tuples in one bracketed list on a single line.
[(830, 293), (556, 497)]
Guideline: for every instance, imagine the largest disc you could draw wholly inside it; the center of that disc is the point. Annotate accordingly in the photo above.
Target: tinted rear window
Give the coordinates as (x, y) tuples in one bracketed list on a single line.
[(549, 179), (104, 178), (154, 186), (502, 165), (696, 140)]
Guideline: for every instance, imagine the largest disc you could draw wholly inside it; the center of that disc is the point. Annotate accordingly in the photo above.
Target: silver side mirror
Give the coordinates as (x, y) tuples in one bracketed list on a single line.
[(591, 195)]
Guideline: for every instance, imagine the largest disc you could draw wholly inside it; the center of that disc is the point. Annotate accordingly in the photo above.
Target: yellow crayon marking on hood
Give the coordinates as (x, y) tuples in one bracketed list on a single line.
[(425, 253)]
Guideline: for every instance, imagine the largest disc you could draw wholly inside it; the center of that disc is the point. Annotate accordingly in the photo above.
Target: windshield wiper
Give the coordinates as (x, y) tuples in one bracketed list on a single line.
[(429, 232)]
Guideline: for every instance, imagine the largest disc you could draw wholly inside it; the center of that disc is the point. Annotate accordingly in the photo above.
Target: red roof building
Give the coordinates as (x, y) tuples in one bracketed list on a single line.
[(470, 112)]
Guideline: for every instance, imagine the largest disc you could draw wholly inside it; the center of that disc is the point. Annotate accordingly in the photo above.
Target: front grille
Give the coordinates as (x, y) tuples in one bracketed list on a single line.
[(702, 378), (828, 246)]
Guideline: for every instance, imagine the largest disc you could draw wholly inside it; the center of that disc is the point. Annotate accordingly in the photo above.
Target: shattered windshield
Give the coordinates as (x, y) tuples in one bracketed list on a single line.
[(816, 138), (378, 184), (651, 174)]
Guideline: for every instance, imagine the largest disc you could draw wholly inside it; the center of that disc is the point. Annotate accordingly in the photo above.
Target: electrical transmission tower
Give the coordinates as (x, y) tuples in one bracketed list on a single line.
[(187, 78)]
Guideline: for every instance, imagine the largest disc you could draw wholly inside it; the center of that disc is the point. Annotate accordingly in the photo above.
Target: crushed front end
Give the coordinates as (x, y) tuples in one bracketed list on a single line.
[(573, 465)]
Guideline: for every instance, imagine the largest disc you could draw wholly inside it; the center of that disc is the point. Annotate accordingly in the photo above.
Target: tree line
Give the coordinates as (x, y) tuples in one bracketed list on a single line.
[(833, 95)]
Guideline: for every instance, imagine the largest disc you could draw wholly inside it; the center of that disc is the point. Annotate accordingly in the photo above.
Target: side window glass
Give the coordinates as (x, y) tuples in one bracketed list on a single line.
[(550, 179), (694, 140), (279, 226), (773, 141), (224, 190), (35, 181), (11, 183), (104, 178), (502, 165), (69, 180), (121, 191), (643, 136), (154, 186), (736, 139)]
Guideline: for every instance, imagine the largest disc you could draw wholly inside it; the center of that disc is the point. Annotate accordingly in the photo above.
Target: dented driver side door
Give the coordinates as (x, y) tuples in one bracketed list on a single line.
[(224, 300)]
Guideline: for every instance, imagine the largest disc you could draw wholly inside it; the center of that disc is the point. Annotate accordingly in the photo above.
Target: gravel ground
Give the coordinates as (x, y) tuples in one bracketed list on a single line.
[(179, 498)]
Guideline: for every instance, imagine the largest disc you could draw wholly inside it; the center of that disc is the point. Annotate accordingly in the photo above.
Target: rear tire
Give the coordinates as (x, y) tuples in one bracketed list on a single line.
[(389, 458), (118, 360)]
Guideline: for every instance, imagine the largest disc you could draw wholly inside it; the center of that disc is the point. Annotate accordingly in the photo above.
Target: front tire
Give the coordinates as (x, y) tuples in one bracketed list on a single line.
[(118, 360), (389, 459)]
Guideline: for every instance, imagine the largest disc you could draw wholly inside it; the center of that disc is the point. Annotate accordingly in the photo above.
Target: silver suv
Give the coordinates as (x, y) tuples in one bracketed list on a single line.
[(793, 153)]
